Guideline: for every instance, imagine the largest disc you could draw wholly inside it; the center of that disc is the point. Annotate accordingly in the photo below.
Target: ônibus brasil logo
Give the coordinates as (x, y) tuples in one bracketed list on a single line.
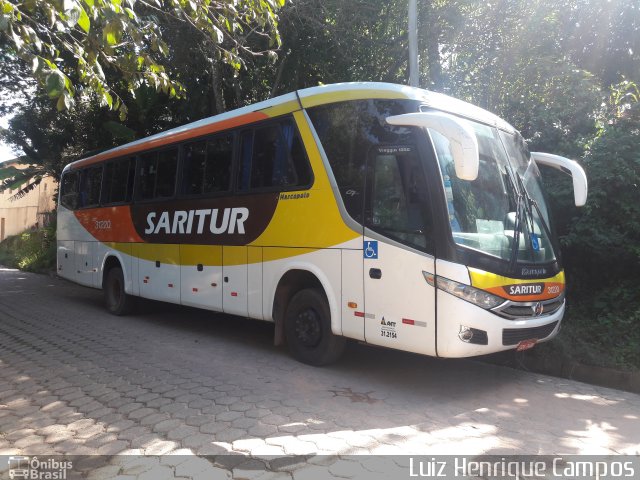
[(35, 469)]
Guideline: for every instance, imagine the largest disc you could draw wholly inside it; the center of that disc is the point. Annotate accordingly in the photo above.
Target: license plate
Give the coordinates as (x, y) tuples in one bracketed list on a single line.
[(526, 344)]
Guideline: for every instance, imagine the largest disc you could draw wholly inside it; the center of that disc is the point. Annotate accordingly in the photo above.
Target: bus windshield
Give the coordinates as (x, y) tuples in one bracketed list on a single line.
[(503, 212)]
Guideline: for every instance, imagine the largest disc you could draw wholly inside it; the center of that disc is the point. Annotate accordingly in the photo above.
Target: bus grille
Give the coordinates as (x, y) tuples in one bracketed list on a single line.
[(513, 336), (519, 310)]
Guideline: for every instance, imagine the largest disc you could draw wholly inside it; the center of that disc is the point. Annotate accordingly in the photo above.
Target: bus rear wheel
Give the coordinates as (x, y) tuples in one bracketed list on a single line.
[(307, 327), (118, 302)]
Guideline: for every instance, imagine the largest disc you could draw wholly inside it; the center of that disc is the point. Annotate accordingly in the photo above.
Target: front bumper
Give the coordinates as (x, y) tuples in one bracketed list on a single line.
[(501, 333)]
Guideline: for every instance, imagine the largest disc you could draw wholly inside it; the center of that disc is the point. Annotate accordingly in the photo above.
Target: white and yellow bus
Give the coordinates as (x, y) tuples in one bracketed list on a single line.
[(381, 213)]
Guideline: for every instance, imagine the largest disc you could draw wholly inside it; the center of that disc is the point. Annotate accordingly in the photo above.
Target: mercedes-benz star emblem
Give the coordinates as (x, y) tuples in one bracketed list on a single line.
[(537, 309)]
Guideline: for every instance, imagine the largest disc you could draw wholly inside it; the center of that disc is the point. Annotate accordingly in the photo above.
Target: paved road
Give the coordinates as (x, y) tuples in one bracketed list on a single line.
[(76, 380)]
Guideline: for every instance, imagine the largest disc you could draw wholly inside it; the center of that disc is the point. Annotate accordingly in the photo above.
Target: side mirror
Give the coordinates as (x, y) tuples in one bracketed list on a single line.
[(570, 167), (462, 139)]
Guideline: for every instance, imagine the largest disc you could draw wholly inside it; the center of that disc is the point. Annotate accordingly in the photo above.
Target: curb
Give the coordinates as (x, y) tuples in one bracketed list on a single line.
[(602, 376), (569, 369)]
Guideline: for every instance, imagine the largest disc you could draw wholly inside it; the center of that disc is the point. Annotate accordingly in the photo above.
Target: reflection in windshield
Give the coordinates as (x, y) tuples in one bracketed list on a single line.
[(483, 213)]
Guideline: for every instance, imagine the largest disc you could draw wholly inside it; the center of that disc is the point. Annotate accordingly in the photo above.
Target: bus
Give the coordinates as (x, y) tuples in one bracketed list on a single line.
[(376, 212)]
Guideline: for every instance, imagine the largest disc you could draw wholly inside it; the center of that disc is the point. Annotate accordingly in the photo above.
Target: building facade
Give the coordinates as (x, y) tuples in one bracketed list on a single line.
[(33, 210)]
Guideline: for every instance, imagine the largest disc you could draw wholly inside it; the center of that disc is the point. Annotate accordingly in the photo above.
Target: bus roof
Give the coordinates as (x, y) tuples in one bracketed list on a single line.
[(306, 98)]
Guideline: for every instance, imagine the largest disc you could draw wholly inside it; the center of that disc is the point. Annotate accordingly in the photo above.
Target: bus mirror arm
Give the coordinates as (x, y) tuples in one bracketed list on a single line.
[(462, 140), (570, 167)]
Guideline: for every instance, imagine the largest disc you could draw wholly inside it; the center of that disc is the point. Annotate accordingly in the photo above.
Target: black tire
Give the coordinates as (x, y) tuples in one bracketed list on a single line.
[(307, 326), (118, 302)]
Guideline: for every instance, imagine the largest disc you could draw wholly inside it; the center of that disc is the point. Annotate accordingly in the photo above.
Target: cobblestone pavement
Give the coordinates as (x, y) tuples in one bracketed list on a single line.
[(76, 380)]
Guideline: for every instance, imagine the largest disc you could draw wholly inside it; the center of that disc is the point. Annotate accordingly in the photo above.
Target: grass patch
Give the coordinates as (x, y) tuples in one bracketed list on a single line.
[(599, 332), (32, 251)]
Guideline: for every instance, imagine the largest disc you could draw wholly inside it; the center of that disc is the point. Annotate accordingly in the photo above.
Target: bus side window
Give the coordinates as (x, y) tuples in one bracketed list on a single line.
[(118, 181), (266, 146), (131, 176), (217, 172), (166, 179), (339, 128), (148, 173), (206, 165), (90, 183), (290, 167), (273, 157), (193, 167), (158, 174), (246, 152), (69, 190), (397, 204), (347, 131)]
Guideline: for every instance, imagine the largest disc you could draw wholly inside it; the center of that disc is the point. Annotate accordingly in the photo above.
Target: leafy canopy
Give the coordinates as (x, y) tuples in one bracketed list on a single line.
[(75, 44)]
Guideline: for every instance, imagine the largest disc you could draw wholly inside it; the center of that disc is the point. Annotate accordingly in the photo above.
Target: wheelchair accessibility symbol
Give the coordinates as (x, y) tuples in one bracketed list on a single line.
[(370, 249), (535, 243)]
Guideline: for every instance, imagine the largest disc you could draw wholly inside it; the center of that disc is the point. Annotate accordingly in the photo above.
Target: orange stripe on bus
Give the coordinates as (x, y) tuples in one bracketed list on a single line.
[(173, 138), (109, 224)]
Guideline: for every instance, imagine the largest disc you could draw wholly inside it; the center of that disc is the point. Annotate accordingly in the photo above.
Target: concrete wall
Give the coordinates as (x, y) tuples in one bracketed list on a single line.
[(29, 211)]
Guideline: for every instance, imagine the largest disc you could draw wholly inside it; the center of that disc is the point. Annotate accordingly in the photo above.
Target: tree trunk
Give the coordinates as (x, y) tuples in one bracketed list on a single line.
[(276, 82), (217, 97), (433, 61), (433, 48)]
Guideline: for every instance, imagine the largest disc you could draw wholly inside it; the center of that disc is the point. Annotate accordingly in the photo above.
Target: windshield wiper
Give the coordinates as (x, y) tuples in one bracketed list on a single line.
[(530, 202), (524, 207), (516, 227)]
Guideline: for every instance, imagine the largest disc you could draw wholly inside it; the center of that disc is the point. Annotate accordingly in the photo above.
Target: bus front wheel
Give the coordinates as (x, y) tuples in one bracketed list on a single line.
[(117, 300), (307, 326)]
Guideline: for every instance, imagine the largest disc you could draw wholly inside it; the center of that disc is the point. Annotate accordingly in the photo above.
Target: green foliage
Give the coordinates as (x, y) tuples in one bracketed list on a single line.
[(329, 41), (601, 241), (120, 131), (51, 139), (33, 251), (23, 180), (74, 44), (601, 329), (497, 58), (602, 37), (612, 317), (607, 230)]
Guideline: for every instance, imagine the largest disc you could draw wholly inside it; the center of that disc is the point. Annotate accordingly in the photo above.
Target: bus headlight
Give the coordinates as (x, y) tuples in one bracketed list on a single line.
[(473, 295)]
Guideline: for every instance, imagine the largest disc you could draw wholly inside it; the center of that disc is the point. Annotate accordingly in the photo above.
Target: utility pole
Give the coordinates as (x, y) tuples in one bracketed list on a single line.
[(413, 43)]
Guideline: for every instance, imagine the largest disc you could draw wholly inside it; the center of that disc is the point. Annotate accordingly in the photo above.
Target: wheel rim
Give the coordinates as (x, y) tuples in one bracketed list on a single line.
[(308, 327)]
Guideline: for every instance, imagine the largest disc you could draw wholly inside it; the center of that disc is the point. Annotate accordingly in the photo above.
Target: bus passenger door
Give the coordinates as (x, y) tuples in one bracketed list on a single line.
[(235, 280), (399, 302)]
